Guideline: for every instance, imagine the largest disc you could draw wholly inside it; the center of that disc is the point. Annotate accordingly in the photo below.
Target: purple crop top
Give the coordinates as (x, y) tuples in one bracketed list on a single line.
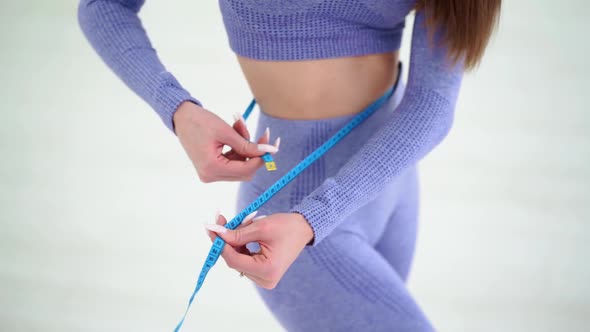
[(313, 29), (297, 30)]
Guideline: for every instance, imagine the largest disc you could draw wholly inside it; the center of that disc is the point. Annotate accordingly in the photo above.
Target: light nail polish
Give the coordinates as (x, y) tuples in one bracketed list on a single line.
[(216, 228), (259, 217), (267, 134), (250, 216), (278, 142), (239, 117), (267, 148), (217, 214)]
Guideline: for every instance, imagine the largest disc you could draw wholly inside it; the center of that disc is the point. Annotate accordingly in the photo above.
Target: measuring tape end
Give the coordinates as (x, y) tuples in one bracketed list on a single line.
[(270, 166)]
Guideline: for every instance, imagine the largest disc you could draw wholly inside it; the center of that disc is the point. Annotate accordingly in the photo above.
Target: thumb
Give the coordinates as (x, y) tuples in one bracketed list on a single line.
[(246, 148), (245, 233)]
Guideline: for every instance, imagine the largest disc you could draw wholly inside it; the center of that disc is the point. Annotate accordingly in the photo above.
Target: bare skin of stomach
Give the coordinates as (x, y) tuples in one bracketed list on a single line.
[(317, 89)]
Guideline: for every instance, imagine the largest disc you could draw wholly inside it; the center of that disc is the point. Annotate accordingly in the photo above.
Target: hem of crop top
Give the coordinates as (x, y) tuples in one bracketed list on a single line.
[(350, 43)]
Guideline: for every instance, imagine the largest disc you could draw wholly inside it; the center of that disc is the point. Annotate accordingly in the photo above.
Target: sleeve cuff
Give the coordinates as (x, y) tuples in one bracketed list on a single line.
[(169, 97), (315, 214)]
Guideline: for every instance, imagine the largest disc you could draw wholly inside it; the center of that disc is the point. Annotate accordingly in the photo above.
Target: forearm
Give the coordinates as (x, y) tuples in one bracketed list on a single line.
[(114, 30), (418, 124)]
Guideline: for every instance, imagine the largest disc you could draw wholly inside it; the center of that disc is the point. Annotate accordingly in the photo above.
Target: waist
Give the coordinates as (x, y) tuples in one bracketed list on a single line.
[(300, 137), (318, 89)]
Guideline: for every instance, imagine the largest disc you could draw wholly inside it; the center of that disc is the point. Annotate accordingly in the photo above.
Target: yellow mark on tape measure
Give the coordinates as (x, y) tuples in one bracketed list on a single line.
[(270, 166)]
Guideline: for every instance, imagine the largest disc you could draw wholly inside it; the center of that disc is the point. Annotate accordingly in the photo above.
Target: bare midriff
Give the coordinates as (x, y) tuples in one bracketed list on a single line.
[(323, 88)]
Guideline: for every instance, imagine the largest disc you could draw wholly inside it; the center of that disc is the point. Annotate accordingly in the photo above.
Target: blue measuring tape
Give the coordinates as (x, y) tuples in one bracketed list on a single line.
[(219, 243)]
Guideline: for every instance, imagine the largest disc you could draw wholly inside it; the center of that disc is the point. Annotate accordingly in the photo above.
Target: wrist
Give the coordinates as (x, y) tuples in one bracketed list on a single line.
[(186, 112), (168, 98)]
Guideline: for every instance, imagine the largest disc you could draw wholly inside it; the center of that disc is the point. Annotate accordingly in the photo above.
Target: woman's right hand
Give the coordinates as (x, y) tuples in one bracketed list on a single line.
[(203, 136)]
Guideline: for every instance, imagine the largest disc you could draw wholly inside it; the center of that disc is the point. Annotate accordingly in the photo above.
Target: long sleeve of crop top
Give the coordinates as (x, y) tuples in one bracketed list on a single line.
[(114, 30), (420, 122)]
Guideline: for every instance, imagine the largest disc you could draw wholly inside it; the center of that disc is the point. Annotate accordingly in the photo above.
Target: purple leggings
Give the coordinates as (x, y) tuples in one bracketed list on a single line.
[(354, 280)]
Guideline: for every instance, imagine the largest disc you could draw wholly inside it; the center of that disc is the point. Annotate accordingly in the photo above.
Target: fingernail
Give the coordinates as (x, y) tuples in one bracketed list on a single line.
[(217, 214), (277, 143), (250, 216), (216, 228), (238, 117), (267, 134), (259, 217), (267, 148)]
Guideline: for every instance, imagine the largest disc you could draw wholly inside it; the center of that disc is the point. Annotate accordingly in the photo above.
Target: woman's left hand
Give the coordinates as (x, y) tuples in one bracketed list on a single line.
[(281, 236)]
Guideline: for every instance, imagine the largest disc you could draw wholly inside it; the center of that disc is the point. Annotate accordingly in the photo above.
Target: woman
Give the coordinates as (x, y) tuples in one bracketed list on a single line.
[(335, 244)]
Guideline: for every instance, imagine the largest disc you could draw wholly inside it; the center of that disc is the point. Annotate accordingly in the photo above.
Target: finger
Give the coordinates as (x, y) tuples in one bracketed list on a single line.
[(239, 170), (254, 265), (259, 217), (230, 255), (240, 126), (265, 138), (247, 221), (257, 280), (239, 236), (244, 147), (244, 224), (219, 220), (233, 155), (254, 247)]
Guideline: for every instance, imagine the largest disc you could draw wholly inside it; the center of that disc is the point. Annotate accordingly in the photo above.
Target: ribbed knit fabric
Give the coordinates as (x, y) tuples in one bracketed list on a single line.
[(312, 29), (115, 31), (304, 29)]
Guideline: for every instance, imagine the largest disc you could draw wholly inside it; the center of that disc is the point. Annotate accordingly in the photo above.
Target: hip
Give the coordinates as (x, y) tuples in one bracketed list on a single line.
[(299, 138)]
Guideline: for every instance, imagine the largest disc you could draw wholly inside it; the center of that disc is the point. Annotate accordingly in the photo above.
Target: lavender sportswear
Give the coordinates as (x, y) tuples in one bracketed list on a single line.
[(354, 280), (305, 29)]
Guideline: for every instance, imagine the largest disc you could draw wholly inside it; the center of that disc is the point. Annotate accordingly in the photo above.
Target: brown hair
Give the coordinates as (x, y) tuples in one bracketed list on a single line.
[(467, 26)]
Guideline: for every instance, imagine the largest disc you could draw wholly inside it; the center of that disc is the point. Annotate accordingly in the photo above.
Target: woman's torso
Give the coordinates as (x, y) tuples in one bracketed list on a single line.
[(310, 59), (324, 88)]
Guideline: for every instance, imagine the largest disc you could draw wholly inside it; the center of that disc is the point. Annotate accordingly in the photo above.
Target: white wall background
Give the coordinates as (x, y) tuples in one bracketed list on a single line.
[(101, 212)]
